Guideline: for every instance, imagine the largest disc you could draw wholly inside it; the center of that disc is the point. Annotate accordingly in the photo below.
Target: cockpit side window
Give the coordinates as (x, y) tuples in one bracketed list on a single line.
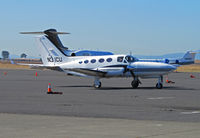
[(120, 59)]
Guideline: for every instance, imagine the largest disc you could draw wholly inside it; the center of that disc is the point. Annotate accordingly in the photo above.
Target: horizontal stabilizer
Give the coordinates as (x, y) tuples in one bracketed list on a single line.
[(44, 32), (49, 38)]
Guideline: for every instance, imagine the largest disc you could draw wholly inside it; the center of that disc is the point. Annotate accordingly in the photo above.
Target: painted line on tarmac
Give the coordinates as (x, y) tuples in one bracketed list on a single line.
[(160, 98), (189, 113)]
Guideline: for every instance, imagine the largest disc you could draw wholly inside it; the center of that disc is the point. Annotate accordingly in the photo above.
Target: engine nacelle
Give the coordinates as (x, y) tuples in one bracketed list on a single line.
[(167, 61), (177, 61)]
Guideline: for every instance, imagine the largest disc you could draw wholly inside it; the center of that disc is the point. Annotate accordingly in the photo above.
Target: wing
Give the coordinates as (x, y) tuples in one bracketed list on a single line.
[(74, 71), (89, 72), (41, 66)]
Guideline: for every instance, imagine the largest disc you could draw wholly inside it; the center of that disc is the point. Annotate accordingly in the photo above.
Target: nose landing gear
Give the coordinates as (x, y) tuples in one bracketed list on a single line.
[(159, 85), (97, 83)]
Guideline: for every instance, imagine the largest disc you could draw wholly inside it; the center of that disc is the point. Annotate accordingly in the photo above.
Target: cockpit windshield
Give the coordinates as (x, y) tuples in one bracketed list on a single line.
[(130, 59)]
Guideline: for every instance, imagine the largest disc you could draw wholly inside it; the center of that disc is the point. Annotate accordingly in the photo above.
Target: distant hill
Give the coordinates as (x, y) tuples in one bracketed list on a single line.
[(173, 55)]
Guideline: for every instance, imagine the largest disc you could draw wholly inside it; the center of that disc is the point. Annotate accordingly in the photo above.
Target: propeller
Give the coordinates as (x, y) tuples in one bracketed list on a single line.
[(130, 68)]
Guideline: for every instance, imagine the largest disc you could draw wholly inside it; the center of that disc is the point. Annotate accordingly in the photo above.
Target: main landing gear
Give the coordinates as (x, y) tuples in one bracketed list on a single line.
[(135, 83), (159, 85), (97, 83)]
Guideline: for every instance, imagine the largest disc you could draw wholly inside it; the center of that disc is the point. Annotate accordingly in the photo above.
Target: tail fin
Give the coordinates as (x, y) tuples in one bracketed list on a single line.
[(50, 54), (50, 47), (188, 58)]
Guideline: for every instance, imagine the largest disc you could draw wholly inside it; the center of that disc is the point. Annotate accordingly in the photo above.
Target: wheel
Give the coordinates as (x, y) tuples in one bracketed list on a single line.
[(135, 84), (159, 86), (97, 85)]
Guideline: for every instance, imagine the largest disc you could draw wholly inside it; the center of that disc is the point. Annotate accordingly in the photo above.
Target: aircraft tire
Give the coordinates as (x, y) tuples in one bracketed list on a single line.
[(97, 86), (159, 85), (134, 84)]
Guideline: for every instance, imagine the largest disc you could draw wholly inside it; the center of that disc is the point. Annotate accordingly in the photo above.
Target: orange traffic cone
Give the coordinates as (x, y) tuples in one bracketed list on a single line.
[(49, 89), (167, 81), (192, 76), (51, 92)]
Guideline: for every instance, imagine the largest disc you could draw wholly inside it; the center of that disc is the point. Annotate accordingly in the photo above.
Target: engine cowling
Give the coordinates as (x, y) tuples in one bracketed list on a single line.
[(177, 61), (167, 61)]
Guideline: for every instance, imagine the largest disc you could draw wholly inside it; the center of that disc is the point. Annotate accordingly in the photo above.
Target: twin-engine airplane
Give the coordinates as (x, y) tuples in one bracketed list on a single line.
[(105, 66)]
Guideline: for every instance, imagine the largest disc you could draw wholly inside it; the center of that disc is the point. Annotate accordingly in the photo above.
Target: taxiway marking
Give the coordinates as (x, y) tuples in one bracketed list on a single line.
[(160, 98), (189, 113)]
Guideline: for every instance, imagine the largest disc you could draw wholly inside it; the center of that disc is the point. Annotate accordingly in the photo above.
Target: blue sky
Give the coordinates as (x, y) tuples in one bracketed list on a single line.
[(145, 27)]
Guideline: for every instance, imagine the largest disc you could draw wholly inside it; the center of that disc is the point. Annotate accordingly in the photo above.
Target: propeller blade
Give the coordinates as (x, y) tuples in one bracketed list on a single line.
[(132, 73), (130, 67)]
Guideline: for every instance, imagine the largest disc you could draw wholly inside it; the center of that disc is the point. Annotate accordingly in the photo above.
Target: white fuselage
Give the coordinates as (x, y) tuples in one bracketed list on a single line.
[(115, 66)]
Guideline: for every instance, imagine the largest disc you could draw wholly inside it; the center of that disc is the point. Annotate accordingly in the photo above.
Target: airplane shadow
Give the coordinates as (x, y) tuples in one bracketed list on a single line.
[(144, 88), (115, 88), (76, 86), (127, 88)]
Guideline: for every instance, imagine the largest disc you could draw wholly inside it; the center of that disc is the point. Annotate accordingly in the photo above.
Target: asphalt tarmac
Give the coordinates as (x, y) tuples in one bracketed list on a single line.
[(22, 94)]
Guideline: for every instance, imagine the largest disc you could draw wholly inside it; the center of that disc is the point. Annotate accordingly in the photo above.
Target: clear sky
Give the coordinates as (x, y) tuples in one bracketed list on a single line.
[(145, 27)]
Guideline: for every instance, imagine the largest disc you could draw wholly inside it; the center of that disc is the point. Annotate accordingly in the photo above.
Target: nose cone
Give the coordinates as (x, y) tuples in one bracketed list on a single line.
[(170, 67), (166, 67)]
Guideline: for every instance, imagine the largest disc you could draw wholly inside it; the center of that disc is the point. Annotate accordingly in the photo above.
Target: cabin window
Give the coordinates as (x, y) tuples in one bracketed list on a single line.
[(80, 62), (93, 61), (86, 61), (120, 59), (109, 59), (101, 60)]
